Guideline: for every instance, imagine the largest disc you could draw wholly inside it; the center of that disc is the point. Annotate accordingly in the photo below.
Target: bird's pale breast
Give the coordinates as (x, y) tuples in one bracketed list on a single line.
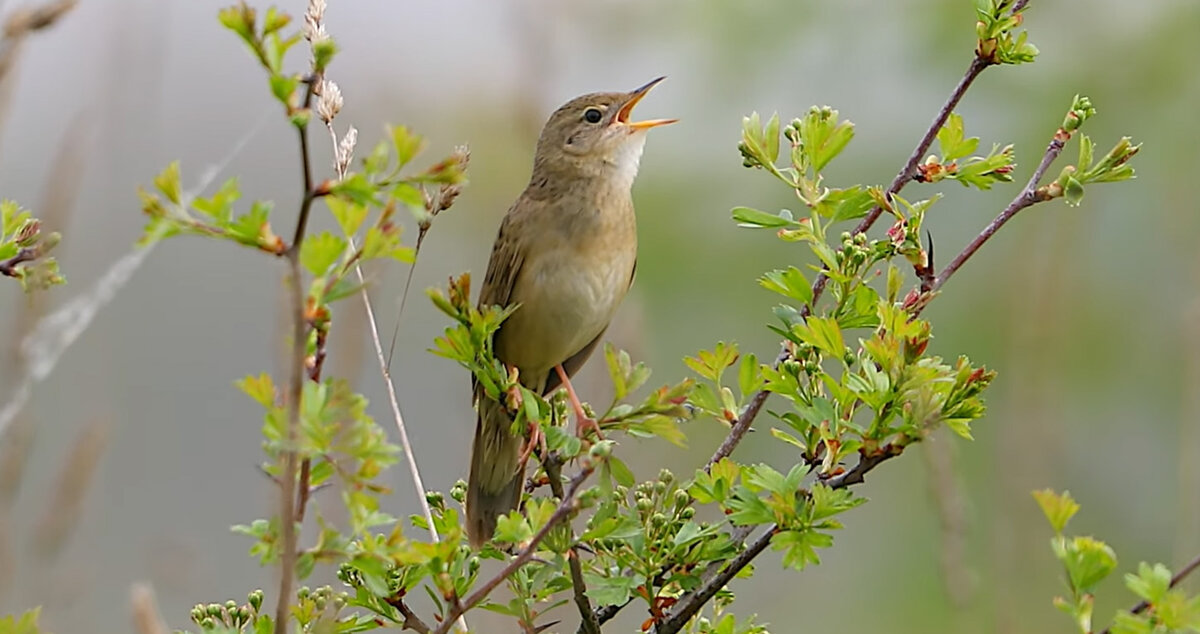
[(569, 290)]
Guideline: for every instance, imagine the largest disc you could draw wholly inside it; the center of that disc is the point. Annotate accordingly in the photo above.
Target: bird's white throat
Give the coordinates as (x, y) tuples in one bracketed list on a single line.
[(625, 160)]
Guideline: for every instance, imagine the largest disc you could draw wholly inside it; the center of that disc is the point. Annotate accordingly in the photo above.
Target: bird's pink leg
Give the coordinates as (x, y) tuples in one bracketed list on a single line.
[(583, 423)]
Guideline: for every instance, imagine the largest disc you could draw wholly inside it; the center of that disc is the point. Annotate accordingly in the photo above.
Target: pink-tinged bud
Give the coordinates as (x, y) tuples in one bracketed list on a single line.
[(911, 299)]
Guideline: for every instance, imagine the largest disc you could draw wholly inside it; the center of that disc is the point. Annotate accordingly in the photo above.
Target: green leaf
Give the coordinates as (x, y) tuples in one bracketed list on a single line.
[(283, 87), (355, 188), (240, 20), (1058, 509), (851, 203), (1085, 153), (824, 333), (513, 528), (748, 217), (750, 378), (26, 624), (348, 215), (405, 144), (711, 364), (621, 472), (789, 282), (788, 438), (952, 142), (771, 139), (323, 52), (275, 20), (800, 547), (666, 428), (167, 182), (611, 590), (823, 136), (260, 388), (1151, 583), (319, 252), (412, 198)]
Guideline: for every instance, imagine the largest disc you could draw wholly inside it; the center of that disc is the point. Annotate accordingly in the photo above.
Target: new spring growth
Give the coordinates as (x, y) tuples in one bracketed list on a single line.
[(997, 20), (1111, 168), (23, 249)]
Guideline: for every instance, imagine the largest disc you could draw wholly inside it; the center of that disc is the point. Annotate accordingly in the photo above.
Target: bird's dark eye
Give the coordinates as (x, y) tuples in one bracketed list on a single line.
[(592, 115)]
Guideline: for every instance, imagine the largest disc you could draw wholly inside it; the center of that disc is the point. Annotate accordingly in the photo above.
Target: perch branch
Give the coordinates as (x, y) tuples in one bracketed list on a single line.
[(588, 623), (564, 508)]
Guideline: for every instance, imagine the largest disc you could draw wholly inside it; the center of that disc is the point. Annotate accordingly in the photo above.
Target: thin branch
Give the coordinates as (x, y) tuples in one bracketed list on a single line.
[(287, 511), (8, 267), (411, 620), (588, 623), (1188, 569), (909, 171), (739, 429), (306, 170), (1029, 196), (405, 443), (422, 231), (691, 604), (564, 509)]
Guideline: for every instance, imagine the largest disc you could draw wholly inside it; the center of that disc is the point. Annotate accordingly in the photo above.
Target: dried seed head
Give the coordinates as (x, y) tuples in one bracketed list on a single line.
[(462, 156), (329, 101), (314, 21), (345, 151)]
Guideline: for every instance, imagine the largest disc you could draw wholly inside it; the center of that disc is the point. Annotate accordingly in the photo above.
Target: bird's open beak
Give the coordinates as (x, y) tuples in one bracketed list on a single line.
[(634, 98)]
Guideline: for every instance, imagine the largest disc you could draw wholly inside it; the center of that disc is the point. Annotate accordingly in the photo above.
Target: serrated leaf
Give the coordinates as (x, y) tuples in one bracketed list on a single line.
[(789, 282), (513, 528), (319, 252), (750, 379), (260, 388), (167, 182), (348, 215), (405, 144)]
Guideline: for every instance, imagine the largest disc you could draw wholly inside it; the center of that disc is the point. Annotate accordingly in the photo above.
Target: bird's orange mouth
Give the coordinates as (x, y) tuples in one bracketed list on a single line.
[(634, 98)]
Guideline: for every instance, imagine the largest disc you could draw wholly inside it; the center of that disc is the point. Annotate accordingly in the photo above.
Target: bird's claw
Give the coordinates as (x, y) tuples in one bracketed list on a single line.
[(536, 439)]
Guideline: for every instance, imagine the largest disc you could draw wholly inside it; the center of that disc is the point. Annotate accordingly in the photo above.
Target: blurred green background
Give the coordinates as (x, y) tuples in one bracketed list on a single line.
[(1091, 315)]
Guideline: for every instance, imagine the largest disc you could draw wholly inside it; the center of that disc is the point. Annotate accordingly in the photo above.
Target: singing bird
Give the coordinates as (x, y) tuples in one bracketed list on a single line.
[(565, 253)]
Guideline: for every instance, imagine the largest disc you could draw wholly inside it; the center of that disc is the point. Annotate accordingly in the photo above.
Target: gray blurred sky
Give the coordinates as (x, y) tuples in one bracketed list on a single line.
[(149, 81)]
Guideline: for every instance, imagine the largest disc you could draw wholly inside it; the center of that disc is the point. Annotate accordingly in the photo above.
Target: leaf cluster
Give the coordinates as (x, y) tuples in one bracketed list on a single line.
[(1088, 561), (24, 249)]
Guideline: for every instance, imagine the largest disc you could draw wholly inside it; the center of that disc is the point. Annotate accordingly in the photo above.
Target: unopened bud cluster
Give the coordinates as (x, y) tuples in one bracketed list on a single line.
[(229, 615), (661, 507)]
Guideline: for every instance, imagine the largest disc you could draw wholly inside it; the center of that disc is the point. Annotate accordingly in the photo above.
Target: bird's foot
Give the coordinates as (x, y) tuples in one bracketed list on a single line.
[(536, 440), (585, 424)]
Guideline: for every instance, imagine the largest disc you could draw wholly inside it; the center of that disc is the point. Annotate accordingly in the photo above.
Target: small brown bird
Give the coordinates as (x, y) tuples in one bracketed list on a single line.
[(566, 252)]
